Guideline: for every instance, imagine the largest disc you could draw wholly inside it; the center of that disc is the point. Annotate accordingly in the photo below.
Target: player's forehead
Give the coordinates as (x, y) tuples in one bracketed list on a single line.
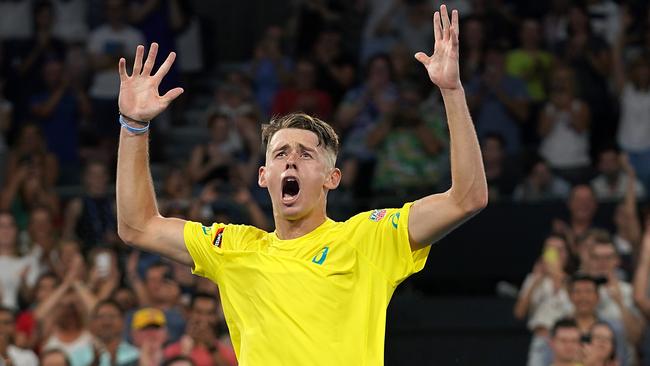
[(293, 138)]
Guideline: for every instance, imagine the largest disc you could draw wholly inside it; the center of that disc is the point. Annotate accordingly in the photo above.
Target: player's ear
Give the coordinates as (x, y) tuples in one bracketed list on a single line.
[(261, 178), (333, 179)]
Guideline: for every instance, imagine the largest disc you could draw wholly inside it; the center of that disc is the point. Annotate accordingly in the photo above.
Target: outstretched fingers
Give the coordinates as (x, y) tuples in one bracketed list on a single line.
[(422, 57), (137, 64), (455, 30), (437, 28), (171, 95), (121, 67), (151, 59), (445, 21), (164, 68)]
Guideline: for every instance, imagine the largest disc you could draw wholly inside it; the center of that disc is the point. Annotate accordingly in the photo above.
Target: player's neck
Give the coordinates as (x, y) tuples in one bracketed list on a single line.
[(292, 229)]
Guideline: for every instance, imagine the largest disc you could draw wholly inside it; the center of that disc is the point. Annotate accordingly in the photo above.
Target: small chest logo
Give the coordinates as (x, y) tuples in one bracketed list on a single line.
[(394, 219), (217, 238), (320, 257), (377, 215)]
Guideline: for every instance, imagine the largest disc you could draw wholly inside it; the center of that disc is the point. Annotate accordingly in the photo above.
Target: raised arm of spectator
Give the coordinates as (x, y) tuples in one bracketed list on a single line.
[(631, 229), (134, 279), (139, 222), (641, 276), (434, 216), (618, 67), (522, 306)]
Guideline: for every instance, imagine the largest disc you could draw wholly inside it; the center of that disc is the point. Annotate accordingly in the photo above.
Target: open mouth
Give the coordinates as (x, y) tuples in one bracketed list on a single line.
[(290, 189)]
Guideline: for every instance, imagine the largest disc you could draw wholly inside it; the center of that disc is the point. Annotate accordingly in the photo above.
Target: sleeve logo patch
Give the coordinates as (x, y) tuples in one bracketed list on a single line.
[(394, 219), (217, 238), (206, 229), (377, 215)]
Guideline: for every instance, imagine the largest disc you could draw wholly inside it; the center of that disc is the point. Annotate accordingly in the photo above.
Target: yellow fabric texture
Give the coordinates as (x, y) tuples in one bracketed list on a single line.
[(319, 299)]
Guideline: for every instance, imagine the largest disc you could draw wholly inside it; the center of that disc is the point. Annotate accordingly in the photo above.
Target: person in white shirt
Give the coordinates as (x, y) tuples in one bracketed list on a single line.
[(612, 181), (9, 353)]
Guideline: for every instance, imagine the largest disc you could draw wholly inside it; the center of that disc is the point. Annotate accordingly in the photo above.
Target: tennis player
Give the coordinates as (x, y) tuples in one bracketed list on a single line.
[(314, 291)]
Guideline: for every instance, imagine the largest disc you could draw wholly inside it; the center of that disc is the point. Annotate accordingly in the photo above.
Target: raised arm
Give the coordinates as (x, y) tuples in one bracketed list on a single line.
[(434, 216), (138, 221)]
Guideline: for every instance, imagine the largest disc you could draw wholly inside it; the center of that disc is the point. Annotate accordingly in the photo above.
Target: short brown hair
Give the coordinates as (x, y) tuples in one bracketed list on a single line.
[(327, 137)]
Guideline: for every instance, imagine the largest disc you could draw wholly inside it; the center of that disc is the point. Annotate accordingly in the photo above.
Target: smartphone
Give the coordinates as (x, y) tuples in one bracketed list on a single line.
[(103, 264), (585, 338)]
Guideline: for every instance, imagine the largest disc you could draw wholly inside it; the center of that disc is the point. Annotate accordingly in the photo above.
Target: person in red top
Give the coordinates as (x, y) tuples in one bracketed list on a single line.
[(303, 96), (200, 341)]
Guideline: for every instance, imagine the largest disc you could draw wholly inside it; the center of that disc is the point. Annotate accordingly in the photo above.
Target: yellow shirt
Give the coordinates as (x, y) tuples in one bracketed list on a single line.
[(319, 299)]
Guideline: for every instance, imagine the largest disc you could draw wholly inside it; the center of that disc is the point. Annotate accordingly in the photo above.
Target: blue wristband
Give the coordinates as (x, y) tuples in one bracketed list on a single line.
[(134, 130)]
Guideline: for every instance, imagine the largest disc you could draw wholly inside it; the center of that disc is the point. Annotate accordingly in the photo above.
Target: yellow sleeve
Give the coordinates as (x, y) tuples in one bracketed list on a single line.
[(382, 237), (207, 245)]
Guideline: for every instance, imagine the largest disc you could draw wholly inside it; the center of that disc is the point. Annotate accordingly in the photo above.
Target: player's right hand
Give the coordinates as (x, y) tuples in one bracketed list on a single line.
[(139, 98)]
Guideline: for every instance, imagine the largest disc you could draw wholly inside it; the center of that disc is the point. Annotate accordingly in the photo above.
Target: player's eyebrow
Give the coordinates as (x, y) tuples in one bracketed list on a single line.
[(288, 146)]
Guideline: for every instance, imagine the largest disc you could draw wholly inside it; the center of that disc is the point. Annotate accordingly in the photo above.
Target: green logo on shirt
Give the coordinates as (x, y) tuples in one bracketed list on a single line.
[(394, 219), (322, 254)]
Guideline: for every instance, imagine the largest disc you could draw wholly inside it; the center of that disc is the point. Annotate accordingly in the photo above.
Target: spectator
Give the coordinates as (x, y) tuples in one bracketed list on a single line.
[(546, 280), (303, 95), (361, 109), (616, 297), (106, 44), (59, 110), (70, 21), (43, 240), (336, 71), (159, 21), (54, 357), (149, 332), (176, 194), (564, 129), (612, 181), (200, 341), (627, 237), (14, 267), (633, 88), (499, 101), (588, 56), (125, 297), (543, 295), (91, 217), (540, 184), (555, 24), (582, 207), (216, 159), (104, 275), (27, 330), (270, 68), (565, 341), (159, 291), (584, 301), (30, 145), (42, 46), (409, 148), (109, 349), (642, 274), (28, 188), (601, 348), (8, 349), (409, 23), (499, 173), (473, 48), (62, 316), (530, 62)]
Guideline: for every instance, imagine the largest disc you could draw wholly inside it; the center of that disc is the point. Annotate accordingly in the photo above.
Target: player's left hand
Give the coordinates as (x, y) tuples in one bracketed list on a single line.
[(442, 66)]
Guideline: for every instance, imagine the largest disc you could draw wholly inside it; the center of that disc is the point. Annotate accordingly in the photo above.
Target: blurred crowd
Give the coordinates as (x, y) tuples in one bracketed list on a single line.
[(559, 92)]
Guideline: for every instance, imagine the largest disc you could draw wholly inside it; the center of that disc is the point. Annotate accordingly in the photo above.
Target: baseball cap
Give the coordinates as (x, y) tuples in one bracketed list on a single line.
[(147, 317)]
